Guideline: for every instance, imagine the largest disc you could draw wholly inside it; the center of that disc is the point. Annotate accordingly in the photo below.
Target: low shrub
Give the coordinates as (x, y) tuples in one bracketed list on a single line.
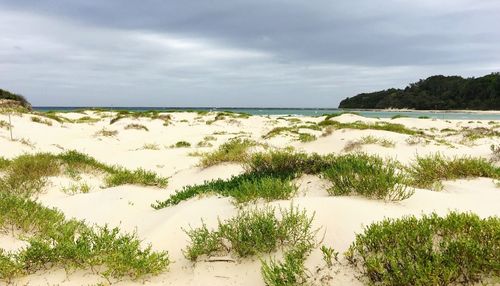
[(253, 232), (460, 248), (368, 176), (181, 144)]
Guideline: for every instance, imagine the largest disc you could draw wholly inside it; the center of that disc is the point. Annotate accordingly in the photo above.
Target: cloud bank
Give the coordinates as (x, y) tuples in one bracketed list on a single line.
[(237, 53)]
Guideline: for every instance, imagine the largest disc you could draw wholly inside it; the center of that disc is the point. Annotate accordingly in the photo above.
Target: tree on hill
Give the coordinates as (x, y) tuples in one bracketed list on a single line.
[(435, 92), (6, 97)]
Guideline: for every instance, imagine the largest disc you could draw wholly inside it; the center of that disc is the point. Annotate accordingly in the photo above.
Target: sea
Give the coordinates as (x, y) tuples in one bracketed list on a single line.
[(463, 115)]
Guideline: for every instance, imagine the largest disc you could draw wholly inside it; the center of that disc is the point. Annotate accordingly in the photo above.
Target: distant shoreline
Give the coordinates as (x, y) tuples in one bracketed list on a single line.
[(267, 108)]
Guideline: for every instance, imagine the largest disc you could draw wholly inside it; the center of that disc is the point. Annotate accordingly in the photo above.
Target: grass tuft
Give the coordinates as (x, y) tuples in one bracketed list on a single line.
[(427, 172)]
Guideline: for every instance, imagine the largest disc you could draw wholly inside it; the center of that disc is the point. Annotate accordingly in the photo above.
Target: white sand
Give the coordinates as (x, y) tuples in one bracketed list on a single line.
[(129, 206)]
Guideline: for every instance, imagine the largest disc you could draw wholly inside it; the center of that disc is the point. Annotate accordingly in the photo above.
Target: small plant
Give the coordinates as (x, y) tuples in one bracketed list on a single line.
[(495, 150), (368, 176), (77, 189), (235, 150), (253, 232), (136, 126), (151, 146), (181, 144), (423, 117), (329, 254), (289, 272), (460, 248), (106, 133)]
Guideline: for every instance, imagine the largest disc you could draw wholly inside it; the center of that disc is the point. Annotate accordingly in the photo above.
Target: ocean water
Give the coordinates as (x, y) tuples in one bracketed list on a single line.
[(303, 111)]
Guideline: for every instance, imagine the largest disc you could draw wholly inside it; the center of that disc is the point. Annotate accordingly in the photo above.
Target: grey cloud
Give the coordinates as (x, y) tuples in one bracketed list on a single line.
[(244, 53)]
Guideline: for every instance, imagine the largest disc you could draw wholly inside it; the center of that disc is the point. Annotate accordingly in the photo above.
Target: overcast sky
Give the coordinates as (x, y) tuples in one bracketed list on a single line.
[(255, 53)]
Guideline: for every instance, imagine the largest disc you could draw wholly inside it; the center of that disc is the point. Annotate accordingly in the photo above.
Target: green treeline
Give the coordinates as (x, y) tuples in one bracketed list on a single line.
[(435, 92)]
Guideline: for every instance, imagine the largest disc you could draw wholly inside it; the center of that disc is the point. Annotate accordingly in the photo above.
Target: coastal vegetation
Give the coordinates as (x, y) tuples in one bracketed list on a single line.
[(260, 231), (428, 171), (234, 150), (436, 92), (136, 127), (350, 174), (365, 140), (54, 241), (26, 175), (460, 248)]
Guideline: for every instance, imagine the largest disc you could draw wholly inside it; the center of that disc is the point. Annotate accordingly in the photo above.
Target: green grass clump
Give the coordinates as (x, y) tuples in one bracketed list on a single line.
[(87, 119), (427, 172), (252, 232), (286, 163), (26, 175), (243, 188), (368, 176), (306, 137), (41, 121), (460, 248), (136, 127), (54, 241), (235, 150), (121, 176), (181, 144)]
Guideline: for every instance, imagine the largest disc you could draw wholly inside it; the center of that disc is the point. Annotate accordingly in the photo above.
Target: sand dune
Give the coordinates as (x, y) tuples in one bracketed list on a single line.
[(129, 207)]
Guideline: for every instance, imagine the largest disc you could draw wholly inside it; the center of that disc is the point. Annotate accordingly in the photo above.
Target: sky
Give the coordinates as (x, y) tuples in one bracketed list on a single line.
[(257, 53)]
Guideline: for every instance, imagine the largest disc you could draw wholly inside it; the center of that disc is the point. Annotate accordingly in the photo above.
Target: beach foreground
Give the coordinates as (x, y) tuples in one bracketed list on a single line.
[(174, 146)]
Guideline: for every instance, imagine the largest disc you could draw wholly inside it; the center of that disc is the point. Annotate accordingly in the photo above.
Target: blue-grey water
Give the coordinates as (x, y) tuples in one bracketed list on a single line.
[(303, 111)]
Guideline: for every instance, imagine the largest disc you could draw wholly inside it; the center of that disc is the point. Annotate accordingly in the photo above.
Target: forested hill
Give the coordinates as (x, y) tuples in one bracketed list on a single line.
[(435, 92), (6, 96)]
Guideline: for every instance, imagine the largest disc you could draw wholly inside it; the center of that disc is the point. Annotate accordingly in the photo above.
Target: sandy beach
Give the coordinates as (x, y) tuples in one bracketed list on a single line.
[(153, 148)]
